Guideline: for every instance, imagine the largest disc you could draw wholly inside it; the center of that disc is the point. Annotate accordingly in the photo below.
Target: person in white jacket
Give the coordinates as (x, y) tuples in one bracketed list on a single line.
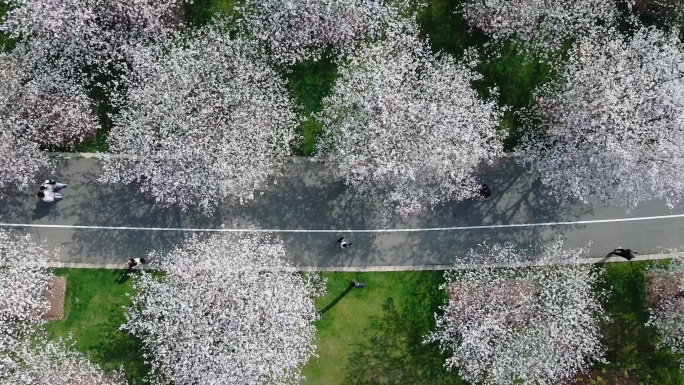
[(49, 196), (52, 185)]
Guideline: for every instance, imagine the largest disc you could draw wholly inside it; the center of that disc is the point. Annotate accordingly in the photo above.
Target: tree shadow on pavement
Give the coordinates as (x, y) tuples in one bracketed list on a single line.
[(518, 197), (310, 197), (16, 205), (118, 206)]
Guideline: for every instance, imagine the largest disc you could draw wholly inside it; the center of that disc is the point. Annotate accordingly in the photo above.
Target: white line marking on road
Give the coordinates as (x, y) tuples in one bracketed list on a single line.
[(410, 230)]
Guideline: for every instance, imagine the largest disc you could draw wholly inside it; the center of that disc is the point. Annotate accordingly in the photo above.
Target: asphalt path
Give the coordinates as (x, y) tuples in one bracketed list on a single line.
[(310, 209)]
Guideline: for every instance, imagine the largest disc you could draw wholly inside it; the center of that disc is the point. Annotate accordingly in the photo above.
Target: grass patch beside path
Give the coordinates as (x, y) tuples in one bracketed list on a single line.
[(93, 313), (375, 335)]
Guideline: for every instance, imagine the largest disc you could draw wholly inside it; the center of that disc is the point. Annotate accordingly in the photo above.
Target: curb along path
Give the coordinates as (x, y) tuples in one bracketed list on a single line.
[(649, 257)]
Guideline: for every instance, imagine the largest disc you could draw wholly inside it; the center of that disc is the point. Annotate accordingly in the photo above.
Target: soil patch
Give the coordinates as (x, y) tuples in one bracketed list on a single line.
[(55, 296)]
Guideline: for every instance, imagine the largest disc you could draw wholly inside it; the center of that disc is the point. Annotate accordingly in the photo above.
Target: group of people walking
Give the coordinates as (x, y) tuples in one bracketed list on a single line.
[(47, 191)]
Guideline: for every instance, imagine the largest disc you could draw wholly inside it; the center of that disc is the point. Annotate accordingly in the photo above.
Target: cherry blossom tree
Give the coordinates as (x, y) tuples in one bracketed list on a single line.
[(667, 305), (524, 316), (302, 29), (38, 361), (89, 36), (37, 110), (609, 131), (27, 357), (204, 120), (24, 279), (404, 124), (552, 20), (229, 310)]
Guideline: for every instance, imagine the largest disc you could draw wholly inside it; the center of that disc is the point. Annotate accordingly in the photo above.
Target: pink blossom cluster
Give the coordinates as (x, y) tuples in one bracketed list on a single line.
[(610, 129), (550, 22), (84, 38), (293, 30), (512, 321), (37, 109), (27, 357), (404, 124), (228, 310), (204, 120)]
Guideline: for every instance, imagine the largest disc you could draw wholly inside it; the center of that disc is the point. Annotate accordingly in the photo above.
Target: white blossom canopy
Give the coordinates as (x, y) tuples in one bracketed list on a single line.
[(26, 355), (668, 315), (38, 361), (23, 279), (610, 131), (205, 121), (88, 37), (520, 324), (404, 124), (552, 20), (294, 30), (229, 310), (40, 109)]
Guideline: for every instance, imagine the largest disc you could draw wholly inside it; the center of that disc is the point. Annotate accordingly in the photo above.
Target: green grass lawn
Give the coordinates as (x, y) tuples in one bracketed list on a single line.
[(375, 335), (93, 314)]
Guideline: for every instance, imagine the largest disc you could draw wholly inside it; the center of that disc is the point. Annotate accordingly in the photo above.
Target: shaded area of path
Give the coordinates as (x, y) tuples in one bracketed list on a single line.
[(308, 196)]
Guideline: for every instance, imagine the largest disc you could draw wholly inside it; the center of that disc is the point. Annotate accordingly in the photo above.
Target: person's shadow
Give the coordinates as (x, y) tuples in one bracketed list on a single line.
[(338, 298), (124, 276), (42, 210)]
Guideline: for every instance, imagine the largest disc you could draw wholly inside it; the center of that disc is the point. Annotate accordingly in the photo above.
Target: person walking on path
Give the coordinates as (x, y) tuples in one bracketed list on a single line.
[(627, 254), (344, 244), (52, 185), (49, 196), (134, 262), (485, 192)]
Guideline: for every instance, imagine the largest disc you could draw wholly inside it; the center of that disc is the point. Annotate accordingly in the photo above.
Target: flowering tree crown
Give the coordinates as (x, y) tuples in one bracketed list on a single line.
[(521, 318), (609, 131), (404, 124), (205, 120), (229, 310)]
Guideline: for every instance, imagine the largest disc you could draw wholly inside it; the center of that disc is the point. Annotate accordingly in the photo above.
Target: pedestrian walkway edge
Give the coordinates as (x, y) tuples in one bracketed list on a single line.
[(594, 260)]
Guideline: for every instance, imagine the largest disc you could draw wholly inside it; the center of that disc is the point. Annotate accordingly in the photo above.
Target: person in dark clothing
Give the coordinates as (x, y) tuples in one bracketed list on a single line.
[(134, 262), (485, 192), (627, 254)]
